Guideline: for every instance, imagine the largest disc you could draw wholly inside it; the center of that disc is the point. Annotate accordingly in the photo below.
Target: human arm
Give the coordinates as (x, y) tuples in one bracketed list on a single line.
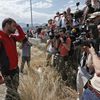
[(67, 43), (89, 64), (21, 35), (48, 43), (96, 61)]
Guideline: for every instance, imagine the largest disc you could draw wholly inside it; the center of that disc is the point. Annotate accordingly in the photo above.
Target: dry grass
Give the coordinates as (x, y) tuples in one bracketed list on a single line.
[(38, 57), (44, 84)]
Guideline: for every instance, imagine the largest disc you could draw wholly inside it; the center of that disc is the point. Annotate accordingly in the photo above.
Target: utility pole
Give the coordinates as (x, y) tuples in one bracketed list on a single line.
[(31, 13)]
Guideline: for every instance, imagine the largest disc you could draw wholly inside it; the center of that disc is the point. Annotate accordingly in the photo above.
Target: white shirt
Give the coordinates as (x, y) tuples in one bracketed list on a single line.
[(95, 82), (63, 22), (50, 48), (58, 20)]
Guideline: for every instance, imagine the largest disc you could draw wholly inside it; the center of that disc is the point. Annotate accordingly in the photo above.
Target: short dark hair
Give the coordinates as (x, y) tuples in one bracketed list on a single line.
[(49, 20), (57, 13), (62, 30), (7, 20)]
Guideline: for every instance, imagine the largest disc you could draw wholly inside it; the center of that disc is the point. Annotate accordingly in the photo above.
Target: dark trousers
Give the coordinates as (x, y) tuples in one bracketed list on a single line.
[(62, 67), (12, 83), (24, 59)]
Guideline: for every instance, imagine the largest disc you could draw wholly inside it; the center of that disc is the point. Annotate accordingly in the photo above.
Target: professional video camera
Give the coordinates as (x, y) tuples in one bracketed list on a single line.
[(57, 34), (78, 14), (87, 31), (89, 28), (53, 34), (83, 41), (50, 34)]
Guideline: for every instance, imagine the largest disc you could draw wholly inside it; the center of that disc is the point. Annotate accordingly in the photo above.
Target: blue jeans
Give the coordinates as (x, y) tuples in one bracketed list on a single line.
[(89, 95)]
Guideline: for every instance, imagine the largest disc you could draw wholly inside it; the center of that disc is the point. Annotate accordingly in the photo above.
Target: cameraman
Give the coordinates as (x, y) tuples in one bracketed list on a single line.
[(65, 40), (92, 88), (64, 48), (83, 72), (50, 48)]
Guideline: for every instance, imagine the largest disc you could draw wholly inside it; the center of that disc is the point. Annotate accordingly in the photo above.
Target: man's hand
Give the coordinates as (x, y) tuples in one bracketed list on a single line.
[(96, 61), (86, 49), (92, 50), (61, 39)]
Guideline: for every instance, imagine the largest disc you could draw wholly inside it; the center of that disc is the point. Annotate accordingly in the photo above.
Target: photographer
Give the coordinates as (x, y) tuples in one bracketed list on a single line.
[(65, 40), (64, 48), (83, 74), (84, 71), (9, 57), (92, 88), (50, 48)]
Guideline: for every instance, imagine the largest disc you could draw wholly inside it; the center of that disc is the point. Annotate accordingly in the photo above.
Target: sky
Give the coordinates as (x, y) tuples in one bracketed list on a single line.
[(42, 9)]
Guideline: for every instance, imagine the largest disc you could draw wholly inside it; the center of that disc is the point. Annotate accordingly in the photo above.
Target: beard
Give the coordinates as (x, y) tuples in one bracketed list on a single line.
[(11, 31)]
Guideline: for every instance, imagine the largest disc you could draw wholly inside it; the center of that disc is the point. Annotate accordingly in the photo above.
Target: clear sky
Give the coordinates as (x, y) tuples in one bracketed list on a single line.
[(42, 9)]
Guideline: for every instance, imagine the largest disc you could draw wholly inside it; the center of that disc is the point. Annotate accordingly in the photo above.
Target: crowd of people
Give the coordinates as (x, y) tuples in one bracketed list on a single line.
[(70, 36), (76, 36)]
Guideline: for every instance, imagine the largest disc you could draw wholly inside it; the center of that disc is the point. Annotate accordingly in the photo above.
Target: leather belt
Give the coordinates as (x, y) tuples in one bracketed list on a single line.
[(89, 86)]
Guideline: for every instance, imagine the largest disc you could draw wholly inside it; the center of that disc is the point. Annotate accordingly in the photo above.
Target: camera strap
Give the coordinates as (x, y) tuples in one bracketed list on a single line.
[(83, 59)]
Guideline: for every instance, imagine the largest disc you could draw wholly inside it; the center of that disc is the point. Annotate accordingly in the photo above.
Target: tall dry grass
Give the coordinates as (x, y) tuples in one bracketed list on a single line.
[(45, 84)]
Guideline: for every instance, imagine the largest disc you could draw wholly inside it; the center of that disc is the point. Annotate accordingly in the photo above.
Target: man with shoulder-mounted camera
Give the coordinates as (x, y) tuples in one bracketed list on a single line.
[(85, 71), (50, 48), (65, 40), (92, 87), (9, 56)]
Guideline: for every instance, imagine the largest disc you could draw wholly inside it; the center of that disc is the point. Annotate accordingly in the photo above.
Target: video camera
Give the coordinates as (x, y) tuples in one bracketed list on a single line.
[(78, 14), (53, 34), (50, 34), (82, 41), (56, 34), (89, 28)]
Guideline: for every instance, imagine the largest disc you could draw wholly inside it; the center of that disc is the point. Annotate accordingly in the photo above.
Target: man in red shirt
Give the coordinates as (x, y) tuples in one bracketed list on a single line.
[(64, 48), (9, 56)]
